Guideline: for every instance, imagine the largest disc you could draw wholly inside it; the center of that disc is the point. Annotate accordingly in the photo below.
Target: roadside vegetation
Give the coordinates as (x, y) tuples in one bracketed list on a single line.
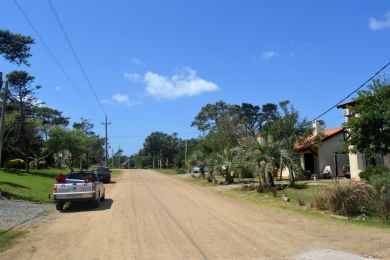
[(34, 185), (7, 238), (246, 142), (33, 135)]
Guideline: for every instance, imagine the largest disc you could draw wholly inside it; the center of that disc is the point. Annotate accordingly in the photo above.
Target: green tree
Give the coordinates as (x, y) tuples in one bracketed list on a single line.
[(15, 47), (283, 132), (369, 129), (70, 145), (49, 118), (21, 88)]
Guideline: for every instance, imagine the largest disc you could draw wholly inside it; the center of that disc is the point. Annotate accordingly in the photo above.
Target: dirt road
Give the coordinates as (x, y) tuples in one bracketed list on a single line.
[(148, 215)]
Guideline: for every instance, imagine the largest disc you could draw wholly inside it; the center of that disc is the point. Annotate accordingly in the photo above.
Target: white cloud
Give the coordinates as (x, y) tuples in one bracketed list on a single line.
[(132, 76), (58, 88), (120, 98), (186, 83), (375, 24), (267, 55), (104, 101)]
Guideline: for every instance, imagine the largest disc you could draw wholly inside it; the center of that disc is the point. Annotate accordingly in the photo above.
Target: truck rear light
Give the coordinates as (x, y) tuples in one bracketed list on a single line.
[(94, 186), (55, 189)]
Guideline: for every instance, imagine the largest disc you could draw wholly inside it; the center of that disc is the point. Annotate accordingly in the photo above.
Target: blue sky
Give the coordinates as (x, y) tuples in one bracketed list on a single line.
[(154, 64)]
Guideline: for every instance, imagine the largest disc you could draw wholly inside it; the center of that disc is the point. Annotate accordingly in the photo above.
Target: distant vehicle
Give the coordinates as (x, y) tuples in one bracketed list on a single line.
[(347, 171), (196, 169), (79, 186), (104, 174)]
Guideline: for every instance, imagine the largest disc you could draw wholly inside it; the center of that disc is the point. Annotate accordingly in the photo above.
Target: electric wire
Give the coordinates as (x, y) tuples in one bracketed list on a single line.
[(353, 92), (62, 28), (58, 63)]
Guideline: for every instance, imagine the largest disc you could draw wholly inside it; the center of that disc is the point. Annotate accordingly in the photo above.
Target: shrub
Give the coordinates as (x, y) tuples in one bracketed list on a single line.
[(370, 171), (381, 198), (42, 164), (180, 171), (350, 198), (15, 164), (322, 200)]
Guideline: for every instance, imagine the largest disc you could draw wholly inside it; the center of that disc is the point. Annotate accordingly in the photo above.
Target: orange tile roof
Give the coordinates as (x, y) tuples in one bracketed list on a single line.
[(311, 140)]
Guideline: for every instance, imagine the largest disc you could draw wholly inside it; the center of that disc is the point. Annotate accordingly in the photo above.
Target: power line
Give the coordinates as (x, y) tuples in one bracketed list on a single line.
[(353, 92), (56, 16), (55, 59)]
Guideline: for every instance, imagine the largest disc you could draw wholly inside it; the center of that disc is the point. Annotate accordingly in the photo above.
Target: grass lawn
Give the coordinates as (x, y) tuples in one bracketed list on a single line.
[(169, 171), (305, 191), (34, 185), (8, 237)]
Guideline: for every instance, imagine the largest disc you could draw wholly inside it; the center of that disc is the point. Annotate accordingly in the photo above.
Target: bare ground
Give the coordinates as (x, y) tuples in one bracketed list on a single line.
[(148, 215)]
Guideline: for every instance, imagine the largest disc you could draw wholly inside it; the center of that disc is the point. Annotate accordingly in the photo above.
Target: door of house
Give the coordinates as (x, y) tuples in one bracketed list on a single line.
[(309, 162)]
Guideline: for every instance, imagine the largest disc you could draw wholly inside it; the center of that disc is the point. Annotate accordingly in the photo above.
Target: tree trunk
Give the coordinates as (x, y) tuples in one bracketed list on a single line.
[(228, 176), (271, 179), (26, 168), (291, 178)]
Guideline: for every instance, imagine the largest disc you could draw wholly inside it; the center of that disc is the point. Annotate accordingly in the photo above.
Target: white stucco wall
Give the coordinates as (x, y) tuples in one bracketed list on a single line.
[(325, 156), (356, 165), (326, 153)]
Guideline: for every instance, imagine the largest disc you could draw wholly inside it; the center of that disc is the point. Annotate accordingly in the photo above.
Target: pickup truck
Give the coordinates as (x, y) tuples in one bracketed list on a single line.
[(104, 173), (79, 186)]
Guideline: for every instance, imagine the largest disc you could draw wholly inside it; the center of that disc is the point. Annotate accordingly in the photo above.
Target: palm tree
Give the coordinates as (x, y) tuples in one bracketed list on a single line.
[(272, 155), (221, 162)]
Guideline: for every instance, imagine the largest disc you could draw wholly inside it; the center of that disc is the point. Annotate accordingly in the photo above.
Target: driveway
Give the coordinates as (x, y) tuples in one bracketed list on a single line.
[(148, 215)]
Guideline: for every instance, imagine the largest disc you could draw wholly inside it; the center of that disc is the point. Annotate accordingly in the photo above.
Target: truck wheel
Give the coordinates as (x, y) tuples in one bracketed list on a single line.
[(59, 206), (97, 203), (104, 196)]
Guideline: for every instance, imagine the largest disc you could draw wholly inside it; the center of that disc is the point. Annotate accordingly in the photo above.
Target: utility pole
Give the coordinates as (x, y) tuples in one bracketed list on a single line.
[(119, 158), (2, 130), (112, 158), (106, 123), (185, 159), (160, 158)]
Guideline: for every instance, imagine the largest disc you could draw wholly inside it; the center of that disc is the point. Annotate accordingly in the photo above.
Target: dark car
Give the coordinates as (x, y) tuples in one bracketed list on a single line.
[(104, 173), (347, 171)]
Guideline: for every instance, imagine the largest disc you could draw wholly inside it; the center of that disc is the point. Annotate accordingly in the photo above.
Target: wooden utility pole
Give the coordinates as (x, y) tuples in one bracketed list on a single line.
[(106, 123), (185, 159), (2, 127), (112, 158)]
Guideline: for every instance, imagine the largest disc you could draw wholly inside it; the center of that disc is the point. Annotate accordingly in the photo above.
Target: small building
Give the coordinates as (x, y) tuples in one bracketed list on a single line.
[(324, 148)]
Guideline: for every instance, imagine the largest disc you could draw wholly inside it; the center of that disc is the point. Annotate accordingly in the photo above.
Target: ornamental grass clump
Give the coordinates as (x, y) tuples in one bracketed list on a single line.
[(381, 196), (348, 199), (322, 200)]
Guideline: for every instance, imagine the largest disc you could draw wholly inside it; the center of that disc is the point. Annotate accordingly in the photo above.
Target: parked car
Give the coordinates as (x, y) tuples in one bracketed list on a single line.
[(347, 171), (195, 169), (79, 186), (104, 174)]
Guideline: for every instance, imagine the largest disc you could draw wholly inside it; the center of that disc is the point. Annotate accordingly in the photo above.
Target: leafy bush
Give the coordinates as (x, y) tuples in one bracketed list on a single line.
[(370, 170), (381, 198), (42, 164), (15, 164), (350, 198), (180, 171)]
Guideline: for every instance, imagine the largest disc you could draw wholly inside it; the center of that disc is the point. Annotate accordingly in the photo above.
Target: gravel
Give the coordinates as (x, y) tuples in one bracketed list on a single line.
[(22, 213)]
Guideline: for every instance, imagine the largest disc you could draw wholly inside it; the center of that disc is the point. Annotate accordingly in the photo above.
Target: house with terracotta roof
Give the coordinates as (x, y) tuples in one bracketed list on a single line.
[(322, 149)]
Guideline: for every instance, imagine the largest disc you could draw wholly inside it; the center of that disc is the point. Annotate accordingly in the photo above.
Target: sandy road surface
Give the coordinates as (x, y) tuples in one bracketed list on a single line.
[(148, 215)]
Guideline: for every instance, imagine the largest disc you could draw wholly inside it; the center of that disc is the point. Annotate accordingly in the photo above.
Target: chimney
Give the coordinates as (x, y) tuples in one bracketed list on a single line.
[(319, 127)]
